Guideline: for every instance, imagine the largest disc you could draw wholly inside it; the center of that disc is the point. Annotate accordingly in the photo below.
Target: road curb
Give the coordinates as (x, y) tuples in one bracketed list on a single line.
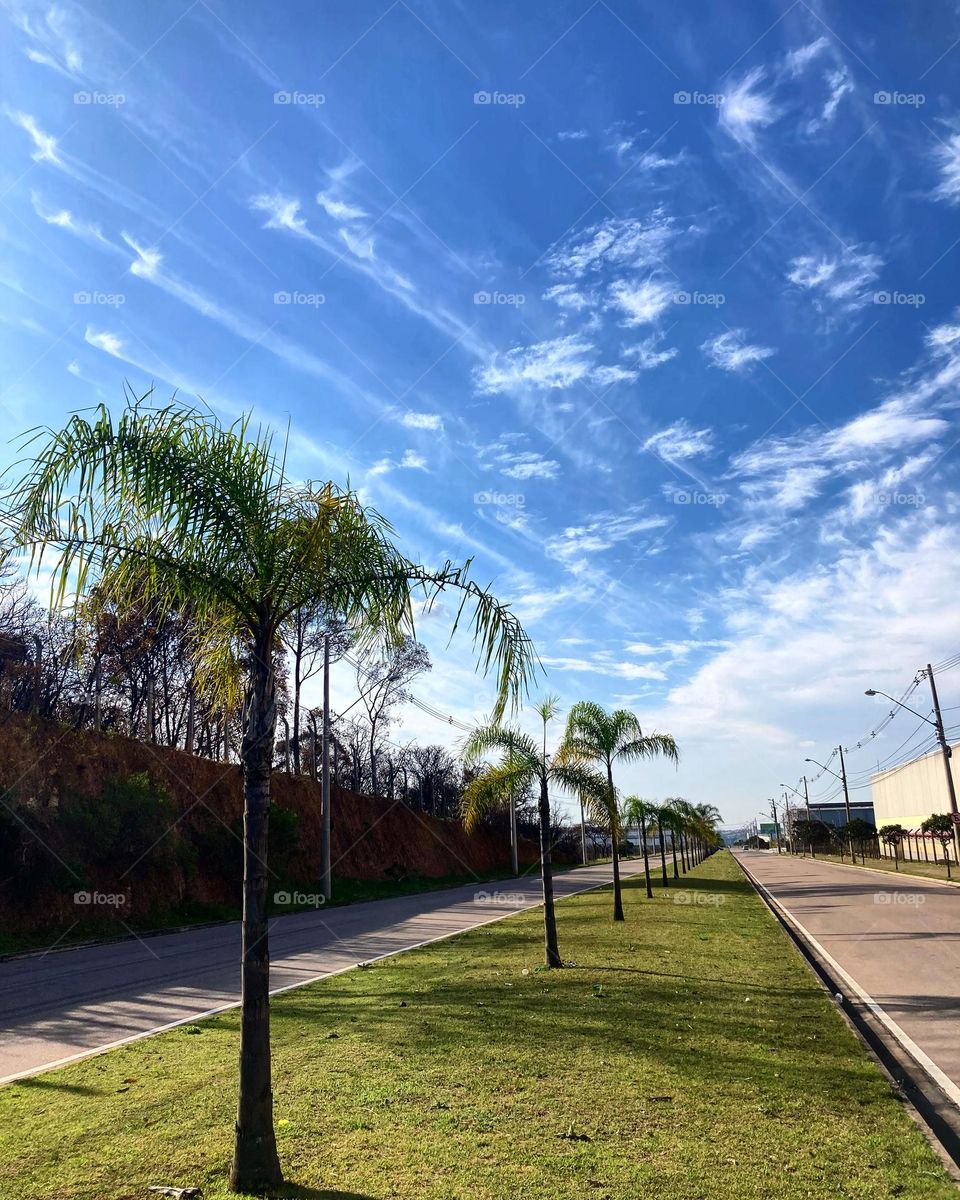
[(927, 1100)]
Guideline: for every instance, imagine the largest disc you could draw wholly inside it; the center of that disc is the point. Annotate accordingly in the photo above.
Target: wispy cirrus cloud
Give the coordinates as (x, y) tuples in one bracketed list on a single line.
[(45, 144), (603, 532), (642, 302), (646, 354), (63, 218), (556, 363), (681, 440), (731, 351), (615, 242), (746, 109), (410, 460), (946, 155), (840, 281), (431, 422)]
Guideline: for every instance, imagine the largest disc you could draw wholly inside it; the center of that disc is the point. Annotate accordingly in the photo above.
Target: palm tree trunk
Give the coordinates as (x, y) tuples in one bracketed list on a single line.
[(546, 875), (614, 831), (646, 857), (256, 1165), (673, 851), (514, 848), (663, 855), (683, 852)]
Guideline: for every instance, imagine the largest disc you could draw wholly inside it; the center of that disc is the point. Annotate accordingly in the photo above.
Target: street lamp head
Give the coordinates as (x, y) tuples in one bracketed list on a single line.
[(808, 760), (870, 692)]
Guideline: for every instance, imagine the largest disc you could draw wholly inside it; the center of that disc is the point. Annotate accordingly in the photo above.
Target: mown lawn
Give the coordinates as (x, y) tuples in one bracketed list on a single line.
[(688, 1053)]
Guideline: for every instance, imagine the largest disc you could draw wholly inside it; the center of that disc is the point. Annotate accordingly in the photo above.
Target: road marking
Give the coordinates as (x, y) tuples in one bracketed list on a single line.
[(943, 1081), (289, 987)]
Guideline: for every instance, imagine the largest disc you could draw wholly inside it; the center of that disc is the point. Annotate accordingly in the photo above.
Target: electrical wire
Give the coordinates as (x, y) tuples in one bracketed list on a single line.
[(422, 705)]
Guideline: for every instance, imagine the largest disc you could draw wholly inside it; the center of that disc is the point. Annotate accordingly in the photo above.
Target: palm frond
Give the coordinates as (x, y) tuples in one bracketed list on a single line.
[(651, 745), (491, 789)]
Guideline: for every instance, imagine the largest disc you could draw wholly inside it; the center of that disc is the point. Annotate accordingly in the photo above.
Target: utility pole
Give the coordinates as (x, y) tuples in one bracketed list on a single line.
[(843, 776), (776, 823), (325, 881), (947, 753)]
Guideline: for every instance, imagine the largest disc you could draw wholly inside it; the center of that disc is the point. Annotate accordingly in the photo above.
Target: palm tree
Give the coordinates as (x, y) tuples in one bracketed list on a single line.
[(661, 821), (525, 762), (638, 812), (594, 735), (166, 505), (671, 820)]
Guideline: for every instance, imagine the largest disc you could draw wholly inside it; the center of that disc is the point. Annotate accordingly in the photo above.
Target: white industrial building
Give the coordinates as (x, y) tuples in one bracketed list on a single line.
[(908, 794)]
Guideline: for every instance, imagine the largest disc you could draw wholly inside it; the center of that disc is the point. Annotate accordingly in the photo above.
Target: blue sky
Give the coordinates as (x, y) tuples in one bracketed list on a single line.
[(650, 309)]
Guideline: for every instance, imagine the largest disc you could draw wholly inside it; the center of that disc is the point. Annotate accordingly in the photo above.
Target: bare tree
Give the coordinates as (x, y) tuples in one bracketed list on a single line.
[(382, 684)]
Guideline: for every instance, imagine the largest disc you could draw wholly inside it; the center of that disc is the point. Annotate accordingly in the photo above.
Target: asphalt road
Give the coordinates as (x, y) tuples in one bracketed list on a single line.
[(72, 1003), (897, 937)]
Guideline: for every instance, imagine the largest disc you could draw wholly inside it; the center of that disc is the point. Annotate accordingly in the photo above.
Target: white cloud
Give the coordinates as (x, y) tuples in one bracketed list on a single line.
[(148, 259), (340, 210), (104, 340), (618, 242), (572, 135), (648, 356), (947, 156), (680, 441), (557, 363), (600, 533), (567, 296), (528, 465), (798, 60), (843, 280), (792, 489), (840, 85), (409, 461), (63, 218), (745, 109), (417, 420), (597, 666), (731, 352), (45, 146), (642, 302)]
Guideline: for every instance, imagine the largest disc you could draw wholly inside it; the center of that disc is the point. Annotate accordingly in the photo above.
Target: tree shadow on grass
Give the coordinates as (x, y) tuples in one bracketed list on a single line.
[(55, 1083), (294, 1191)]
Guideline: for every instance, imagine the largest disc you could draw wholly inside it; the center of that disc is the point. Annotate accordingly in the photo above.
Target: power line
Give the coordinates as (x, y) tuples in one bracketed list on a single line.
[(422, 705)]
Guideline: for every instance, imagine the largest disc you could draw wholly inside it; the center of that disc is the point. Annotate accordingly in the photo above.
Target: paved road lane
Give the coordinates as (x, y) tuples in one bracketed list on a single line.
[(898, 937), (69, 1004)]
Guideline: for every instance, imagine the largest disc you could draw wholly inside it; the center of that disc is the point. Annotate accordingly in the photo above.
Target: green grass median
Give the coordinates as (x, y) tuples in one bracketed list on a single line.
[(686, 1053)]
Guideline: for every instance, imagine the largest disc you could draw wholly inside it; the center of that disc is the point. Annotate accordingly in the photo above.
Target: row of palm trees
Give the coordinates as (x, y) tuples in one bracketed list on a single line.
[(593, 743), (692, 828)]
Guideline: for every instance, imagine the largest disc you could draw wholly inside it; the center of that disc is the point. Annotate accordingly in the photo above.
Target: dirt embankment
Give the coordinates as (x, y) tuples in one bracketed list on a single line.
[(84, 812)]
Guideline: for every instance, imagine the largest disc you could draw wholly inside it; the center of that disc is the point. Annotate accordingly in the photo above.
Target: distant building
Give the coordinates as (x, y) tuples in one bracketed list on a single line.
[(834, 812)]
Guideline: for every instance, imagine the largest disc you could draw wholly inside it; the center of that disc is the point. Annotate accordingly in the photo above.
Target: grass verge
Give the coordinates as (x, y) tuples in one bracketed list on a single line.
[(919, 869), (689, 1052)]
